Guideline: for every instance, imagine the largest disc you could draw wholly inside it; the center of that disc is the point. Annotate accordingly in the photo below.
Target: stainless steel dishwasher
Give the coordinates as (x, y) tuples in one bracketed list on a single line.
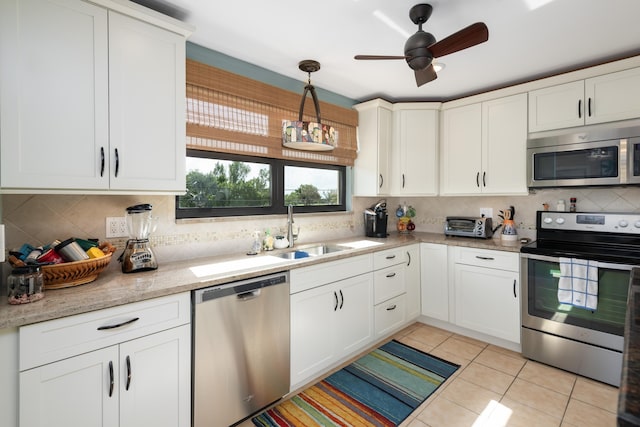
[(241, 349)]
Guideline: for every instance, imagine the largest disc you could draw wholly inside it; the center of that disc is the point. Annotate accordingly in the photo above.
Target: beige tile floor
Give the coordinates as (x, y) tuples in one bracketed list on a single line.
[(495, 387)]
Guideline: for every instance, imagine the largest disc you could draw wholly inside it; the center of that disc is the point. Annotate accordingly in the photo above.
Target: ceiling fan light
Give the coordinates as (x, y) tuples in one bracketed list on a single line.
[(439, 66)]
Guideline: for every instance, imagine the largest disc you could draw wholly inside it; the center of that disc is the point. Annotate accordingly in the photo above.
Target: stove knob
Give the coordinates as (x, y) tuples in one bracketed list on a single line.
[(623, 223), (637, 224), (548, 220), (560, 220)]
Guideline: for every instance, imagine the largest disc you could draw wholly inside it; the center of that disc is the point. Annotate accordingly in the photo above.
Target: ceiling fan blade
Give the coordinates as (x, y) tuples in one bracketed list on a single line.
[(470, 36), (425, 76), (379, 57)]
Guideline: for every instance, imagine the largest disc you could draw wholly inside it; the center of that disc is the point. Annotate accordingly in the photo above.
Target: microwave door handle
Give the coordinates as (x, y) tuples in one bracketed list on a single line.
[(623, 166)]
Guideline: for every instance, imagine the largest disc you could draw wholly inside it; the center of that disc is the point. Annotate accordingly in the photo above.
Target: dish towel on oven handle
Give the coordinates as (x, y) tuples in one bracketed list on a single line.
[(578, 284)]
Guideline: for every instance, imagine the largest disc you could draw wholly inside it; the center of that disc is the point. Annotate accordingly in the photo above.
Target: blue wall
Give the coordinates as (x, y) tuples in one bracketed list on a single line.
[(228, 63)]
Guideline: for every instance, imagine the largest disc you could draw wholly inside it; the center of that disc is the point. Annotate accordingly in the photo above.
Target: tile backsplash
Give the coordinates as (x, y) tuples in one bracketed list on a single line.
[(40, 219)]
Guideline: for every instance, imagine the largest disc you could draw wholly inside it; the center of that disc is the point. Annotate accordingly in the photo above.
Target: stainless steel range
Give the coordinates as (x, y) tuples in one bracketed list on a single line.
[(575, 280)]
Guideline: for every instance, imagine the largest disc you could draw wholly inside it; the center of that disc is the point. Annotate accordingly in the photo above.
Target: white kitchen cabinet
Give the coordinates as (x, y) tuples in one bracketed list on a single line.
[(487, 290), (372, 166), (328, 323), (434, 281), (484, 147), (142, 378), (607, 98), (414, 151), (389, 290), (412, 281), (91, 100)]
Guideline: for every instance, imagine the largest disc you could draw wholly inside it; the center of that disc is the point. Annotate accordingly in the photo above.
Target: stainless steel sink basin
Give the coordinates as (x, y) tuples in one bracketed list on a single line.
[(309, 251)]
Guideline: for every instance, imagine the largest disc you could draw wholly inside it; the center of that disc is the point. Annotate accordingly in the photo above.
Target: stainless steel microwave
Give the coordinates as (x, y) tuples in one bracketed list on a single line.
[(609, 156)]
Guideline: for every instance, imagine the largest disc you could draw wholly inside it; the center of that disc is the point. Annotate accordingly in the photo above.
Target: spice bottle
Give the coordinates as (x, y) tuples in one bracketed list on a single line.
[(560, 207), (572, 205)]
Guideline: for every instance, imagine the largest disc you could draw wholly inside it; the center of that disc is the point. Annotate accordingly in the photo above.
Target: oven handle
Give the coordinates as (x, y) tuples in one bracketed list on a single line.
[(607, 265)]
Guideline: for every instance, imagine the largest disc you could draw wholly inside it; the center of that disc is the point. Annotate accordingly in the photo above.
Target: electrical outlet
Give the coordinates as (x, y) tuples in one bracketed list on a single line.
[(117, 226), (486, 212)]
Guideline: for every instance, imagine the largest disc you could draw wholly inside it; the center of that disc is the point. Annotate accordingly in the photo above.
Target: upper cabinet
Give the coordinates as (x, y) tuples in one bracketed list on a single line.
[(91, 99), (484, 147), (606, 98), (397, 149), (414, 151), (371, 168)]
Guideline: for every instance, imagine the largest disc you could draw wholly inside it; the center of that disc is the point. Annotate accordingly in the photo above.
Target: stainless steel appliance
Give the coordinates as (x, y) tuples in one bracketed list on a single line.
[(241, 349), (585, 341), (599, 156), (375, 220), (137, 255), (467, 226)]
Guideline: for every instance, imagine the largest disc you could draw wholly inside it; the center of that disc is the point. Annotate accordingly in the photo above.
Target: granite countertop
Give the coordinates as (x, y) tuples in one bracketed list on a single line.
[(113, 288), (629, 397)]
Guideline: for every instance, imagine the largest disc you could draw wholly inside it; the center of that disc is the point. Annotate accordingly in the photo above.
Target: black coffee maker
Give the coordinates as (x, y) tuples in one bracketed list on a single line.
[(375, 220)]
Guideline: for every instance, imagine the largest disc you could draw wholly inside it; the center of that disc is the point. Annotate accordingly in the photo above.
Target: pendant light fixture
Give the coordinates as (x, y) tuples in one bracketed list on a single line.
[(312, 136)]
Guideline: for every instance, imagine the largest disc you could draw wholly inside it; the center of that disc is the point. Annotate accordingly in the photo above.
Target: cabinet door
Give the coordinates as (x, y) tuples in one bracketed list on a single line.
[(414, 153), (155, 379), (147, 104), (312, 331), (557, 107), (74, 392), (53, 94), (371, 168), (504, 145), (461, 150), (412, 281), (487, 301), (614, 96), (434, 281), (354, 321)]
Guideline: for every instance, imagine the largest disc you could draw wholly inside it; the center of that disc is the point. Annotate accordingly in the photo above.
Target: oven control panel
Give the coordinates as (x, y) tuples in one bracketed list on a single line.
[(591, 221)]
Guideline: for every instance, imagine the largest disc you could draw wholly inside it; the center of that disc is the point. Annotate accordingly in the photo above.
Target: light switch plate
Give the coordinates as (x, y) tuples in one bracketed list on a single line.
[(486, 212)]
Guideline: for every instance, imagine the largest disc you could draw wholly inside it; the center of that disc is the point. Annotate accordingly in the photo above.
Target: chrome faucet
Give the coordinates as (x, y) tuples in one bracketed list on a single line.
[(290, 235)]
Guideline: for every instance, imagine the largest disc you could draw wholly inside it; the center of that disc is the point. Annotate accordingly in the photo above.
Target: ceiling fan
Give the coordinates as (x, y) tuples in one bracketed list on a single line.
[(421, 48)]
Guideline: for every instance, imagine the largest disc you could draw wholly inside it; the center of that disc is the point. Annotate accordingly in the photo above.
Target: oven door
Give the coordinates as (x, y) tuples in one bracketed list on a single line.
[(541, 310)]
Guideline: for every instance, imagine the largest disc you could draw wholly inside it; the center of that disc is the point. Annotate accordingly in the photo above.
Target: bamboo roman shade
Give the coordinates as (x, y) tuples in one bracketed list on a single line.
[(229, 113)]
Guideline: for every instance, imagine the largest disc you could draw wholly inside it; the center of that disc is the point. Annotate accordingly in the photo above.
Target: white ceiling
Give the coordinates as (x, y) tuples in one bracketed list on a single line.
[(527, 39)]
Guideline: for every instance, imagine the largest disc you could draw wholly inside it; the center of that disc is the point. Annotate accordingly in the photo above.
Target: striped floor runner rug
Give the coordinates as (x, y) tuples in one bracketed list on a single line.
[(381, 388)]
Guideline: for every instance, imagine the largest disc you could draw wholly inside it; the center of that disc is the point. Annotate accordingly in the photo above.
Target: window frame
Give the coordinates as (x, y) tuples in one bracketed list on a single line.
[(277, 188)]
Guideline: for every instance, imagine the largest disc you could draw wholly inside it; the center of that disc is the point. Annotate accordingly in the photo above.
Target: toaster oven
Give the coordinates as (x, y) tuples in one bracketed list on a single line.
[(466, 226)]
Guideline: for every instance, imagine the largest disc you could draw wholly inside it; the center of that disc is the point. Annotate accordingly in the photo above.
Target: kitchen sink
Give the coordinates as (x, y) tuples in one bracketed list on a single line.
[(309, 251)]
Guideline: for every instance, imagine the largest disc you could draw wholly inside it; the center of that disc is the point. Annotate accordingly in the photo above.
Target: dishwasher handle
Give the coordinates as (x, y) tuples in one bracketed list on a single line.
[(246, 296), (244, 290)]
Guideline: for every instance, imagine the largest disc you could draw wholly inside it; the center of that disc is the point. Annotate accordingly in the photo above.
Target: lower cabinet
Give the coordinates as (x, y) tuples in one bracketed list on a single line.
[(142, 381), (486, 284), (434, 281), (330, 321), (412, 278)]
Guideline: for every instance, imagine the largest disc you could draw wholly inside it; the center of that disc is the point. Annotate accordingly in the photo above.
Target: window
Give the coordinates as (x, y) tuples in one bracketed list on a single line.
[(235, 185)]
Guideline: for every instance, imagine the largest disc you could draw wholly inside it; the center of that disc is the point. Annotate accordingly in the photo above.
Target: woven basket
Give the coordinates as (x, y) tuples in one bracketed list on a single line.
[(68, 274)]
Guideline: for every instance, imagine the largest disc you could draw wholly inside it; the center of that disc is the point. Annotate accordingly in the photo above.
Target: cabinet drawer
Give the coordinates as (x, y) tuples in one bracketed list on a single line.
[(53, 340), (390, 315), (388, 283), (321, 274), (487, 258), (389, 257)]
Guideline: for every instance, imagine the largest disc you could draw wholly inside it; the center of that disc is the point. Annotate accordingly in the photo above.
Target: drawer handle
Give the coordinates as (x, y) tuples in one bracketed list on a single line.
[(390, 256), (393, 307), (111, 381), (390, 275), (486, 258), (117, 325), (128, 373), (335, 306), (341, 299)]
